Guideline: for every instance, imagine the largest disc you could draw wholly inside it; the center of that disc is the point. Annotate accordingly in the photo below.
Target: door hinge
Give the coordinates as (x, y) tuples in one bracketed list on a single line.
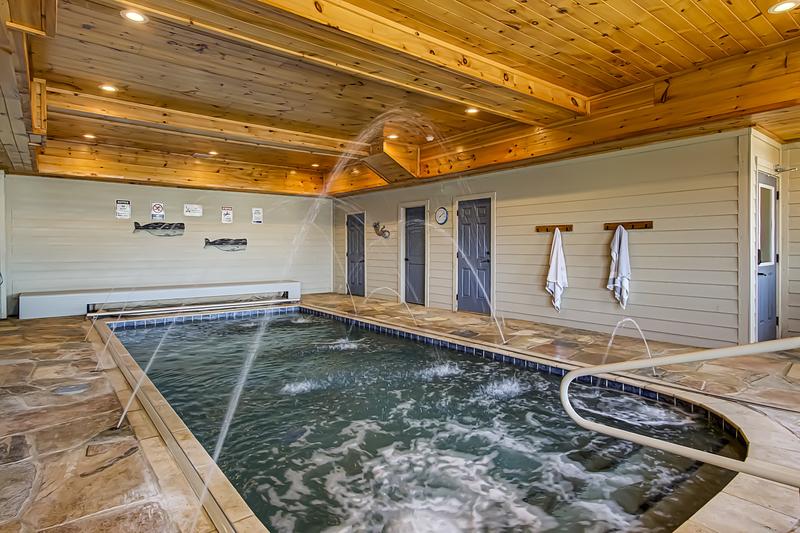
[(777, 320), (777, 195), (777, 258), (456, 296)]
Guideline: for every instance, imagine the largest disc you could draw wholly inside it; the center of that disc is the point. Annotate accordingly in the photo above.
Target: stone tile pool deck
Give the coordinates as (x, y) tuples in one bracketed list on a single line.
[(64, 466)]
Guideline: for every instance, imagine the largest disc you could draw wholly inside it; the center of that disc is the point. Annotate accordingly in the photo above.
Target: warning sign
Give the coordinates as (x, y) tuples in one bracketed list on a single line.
[(157, 213)]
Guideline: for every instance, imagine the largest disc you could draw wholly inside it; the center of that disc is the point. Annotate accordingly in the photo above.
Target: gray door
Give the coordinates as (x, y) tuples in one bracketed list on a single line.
[(474, 255), (767, 257), (355, 254), (415, 255)]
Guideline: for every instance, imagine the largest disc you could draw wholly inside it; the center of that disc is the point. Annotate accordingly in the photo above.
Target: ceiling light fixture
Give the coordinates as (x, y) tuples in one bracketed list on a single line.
[(212, 152), (89, 136), (134, 16), (315, 165), (472, 110), (783, 7), (430, 138), (393, 136), (108, 88)]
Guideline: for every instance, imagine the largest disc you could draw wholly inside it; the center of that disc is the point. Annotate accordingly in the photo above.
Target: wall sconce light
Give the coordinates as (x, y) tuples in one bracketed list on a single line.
[(381, 231)]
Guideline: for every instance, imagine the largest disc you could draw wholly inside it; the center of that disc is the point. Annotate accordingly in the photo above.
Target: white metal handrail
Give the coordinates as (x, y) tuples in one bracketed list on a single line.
[(785, 475)]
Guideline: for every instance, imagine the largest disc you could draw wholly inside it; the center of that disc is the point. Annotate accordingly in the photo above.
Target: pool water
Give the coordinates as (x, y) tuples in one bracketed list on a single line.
[(343, 429)]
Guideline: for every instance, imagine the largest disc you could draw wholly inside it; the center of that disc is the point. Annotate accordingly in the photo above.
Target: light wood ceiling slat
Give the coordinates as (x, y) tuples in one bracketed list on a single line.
[(370, 27), (111, 163), (118, 110)]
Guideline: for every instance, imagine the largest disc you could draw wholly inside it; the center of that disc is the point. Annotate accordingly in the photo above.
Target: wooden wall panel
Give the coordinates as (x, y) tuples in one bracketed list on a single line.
[(685, 270), (63, 235)]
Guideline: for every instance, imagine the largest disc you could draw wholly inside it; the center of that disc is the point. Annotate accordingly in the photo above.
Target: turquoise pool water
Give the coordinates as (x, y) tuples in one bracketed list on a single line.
[(341, 429)]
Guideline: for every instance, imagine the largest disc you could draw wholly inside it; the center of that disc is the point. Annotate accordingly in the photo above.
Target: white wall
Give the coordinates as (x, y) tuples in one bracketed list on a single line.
[(685, 271), (791, 205), (62, 234)]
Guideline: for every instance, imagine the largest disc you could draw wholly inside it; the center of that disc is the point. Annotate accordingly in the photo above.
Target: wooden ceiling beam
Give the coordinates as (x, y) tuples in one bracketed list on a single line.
[(374, 28), (36, 17), (14, 77), (357, 177), (293, 36), (148, 167), (114, 110), (728, 92)]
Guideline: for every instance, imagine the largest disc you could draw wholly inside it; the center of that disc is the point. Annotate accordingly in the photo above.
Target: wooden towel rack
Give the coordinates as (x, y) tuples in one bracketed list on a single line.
[(640, 224), (551, 228)]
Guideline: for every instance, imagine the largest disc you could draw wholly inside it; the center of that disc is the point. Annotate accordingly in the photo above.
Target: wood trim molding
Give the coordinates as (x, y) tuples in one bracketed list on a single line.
[(66, 102), (720, 95)]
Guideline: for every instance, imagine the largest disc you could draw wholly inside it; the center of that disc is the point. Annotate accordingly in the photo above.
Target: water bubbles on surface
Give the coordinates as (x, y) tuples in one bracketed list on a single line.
[(339, 345), (301, 387), (503, 389), (302, 320), (441, 370)]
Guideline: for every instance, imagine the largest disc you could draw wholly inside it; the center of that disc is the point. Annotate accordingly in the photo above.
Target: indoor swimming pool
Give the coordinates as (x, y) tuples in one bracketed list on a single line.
[(344, 429)]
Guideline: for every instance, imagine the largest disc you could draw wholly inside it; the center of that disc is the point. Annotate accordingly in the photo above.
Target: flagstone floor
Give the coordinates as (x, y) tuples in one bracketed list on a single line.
[(65, 467)]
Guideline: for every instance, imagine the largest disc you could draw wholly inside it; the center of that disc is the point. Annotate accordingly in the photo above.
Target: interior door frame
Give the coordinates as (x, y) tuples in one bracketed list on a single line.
[(347, 248), (777, 244), (401, 250), (492, 197)]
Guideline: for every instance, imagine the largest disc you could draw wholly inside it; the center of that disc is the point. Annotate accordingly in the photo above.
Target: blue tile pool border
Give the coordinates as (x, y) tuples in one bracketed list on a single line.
[(712, 417)]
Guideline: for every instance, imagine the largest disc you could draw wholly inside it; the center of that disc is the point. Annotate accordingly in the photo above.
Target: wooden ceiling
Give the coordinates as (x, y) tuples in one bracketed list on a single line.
[(305, 96)]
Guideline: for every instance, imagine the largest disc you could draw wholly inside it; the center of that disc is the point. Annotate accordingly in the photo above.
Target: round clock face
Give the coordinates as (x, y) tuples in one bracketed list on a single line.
[(441, 216)]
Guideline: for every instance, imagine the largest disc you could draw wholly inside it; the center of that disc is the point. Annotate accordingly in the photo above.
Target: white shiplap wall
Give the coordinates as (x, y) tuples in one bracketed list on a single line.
[(685, 271), (62, 234), (791, 199)]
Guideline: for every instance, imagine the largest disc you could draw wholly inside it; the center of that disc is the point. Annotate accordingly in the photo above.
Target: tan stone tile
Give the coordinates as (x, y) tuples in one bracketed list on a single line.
[(74, 432), (81, 482), (768, 494), (16, 484), (149, 517), (690, 526), (15, 373), (181, 502), (727, 513), (142, 425), (250, 525)]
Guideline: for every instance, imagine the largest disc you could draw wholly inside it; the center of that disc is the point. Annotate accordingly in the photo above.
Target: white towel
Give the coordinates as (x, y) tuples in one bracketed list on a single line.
[(557, 275), (619, 278)]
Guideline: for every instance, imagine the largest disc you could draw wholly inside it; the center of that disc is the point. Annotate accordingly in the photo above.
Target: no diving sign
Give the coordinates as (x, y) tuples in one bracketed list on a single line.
[(157, 213)]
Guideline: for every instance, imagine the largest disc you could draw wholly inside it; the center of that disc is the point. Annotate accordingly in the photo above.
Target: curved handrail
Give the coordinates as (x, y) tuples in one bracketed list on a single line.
[(785, 475)]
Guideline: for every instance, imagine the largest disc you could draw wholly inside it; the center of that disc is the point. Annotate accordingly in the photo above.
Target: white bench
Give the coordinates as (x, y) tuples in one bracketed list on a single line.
[(69, 303)]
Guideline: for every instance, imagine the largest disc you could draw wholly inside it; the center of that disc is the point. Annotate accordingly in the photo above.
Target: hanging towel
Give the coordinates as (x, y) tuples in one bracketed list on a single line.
[(619, 277), (557, 275)]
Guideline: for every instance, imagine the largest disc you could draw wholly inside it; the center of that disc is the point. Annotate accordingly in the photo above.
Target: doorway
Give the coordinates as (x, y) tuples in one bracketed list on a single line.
[(474, 255), (767, 258), (414, 258), (355, 254)]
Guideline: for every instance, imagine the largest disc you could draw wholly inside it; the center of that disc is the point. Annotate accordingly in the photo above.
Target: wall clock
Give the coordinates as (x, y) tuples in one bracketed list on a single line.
[(441, 216)]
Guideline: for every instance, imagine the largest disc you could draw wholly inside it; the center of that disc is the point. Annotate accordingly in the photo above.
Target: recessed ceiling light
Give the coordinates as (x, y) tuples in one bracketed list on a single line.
[(292, 172), (782, 7), (472, 110), (315, 165), (393, 136), (134, 16), (108, 88), (212, 152), (430, 138), (89, 136)]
